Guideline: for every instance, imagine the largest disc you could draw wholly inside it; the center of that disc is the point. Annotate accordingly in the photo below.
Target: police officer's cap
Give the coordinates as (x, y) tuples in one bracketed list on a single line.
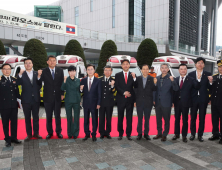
[(219, 63)]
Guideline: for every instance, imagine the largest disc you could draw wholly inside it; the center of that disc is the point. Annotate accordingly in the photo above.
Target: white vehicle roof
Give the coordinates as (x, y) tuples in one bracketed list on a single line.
[(115, 61), (67, 60), (174, 61), (11, 59)]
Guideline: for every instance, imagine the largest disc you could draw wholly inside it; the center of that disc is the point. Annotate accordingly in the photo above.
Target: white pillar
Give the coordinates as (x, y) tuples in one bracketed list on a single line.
[(177, 24), (215, 28), (200, 3)]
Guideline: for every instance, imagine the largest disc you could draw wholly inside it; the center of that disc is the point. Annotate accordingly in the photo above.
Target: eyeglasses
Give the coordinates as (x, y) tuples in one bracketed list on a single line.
[(6, 69)]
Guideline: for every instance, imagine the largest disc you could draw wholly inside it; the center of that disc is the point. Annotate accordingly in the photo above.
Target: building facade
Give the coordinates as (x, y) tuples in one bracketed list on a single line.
[(186, 27)]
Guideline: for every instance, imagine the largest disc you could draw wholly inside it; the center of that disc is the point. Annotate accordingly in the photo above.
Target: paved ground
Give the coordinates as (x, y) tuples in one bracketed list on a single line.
[(67, 154)]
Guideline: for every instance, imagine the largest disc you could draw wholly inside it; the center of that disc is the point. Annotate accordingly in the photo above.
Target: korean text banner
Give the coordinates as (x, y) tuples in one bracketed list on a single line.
[(26, 21)]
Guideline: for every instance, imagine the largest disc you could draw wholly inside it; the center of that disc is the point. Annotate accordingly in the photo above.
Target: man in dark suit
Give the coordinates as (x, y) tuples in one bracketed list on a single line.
[(30, 97), (182, 100), (200, 99), (9, 93), (125, 81), (144, 100), (91, 89), (216, 101), (163, 99), (107, 103), (53, 78)]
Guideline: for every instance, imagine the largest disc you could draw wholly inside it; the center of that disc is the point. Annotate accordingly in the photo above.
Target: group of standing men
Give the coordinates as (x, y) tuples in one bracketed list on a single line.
[(143, 92)]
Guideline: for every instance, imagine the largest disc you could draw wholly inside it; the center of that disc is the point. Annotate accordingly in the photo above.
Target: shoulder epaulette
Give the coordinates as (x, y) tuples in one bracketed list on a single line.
[(100, 77), (14, 77), (215, 74)]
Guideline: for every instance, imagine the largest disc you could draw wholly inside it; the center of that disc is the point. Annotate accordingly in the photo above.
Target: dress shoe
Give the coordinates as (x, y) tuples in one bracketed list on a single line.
[(163, 139), (101, 136), (157, 137), (139, 137), (212, 138), (220, 141), (109, 137), (16, 141), (120, 138), (147, 137), (192, 137), (94, 138), (185, 139), (59, 135), (175, 137), (37, 136), (85, 138), (200, 138), (129, 138), (75, 137), (70, 137), (48, 136), (28, 138), (7, 144)]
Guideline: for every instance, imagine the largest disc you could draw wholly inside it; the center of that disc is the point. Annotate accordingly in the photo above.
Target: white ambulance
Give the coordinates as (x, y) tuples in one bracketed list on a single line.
[(115, 63), (173, 62), (15, 61), (64, 61)]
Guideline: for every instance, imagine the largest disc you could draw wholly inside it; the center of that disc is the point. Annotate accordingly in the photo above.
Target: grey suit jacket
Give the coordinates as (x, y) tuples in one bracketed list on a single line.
[(164, 95)]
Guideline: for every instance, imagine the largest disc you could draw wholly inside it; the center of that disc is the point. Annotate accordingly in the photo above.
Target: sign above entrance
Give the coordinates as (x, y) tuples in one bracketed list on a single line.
[(26, 21)]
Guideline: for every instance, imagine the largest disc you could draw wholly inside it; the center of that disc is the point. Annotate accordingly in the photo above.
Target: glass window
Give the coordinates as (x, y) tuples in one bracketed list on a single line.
[(77, 15), (113, 13), (91, 5)]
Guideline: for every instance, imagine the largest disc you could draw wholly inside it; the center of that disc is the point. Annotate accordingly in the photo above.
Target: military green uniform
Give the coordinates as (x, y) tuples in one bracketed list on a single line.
[(72, 101)]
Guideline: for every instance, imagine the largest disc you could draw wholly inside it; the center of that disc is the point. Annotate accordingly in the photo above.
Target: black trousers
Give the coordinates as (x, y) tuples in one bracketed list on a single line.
[(49, 108), (129, 114), (12, 116), (216, 114), (146, 111), (94, 113), (202, 107), (31, 109), (105, 118), (163, 113), (178, 111)]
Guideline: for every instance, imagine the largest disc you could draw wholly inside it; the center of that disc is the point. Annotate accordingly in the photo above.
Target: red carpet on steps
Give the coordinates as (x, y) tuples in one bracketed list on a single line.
[(153, 129)]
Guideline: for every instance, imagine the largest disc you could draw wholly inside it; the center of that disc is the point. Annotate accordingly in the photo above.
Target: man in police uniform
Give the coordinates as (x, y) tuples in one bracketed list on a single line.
[(107, 103), (216, 100), (8, 104)]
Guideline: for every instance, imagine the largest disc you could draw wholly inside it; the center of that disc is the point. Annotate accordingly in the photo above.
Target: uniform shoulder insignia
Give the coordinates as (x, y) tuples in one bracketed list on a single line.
[(100, 77), (215, 74), (113, 77), (14, 77)]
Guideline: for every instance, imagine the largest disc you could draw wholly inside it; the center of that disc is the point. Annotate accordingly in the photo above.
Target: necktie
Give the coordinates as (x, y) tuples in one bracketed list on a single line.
[(90, 84), (220, 76), (53, 74), (126, 78), (181, 83), (106, 79), (8, 80), (126, 81)]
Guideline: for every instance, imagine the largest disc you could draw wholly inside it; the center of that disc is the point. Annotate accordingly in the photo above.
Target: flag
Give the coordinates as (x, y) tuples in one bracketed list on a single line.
[(70, 29)]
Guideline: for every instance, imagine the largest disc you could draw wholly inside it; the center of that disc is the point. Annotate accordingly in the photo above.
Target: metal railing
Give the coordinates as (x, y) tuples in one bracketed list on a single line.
[(115, 37), (173, 47)]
